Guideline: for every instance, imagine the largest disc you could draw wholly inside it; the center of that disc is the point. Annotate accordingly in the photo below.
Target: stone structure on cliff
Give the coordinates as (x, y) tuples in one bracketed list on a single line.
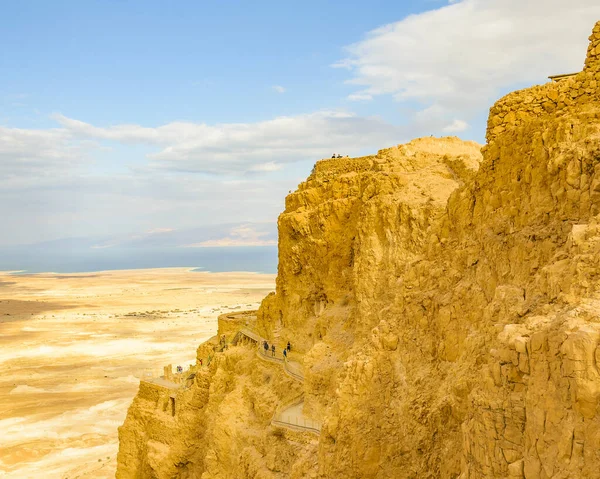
[(445, 306)]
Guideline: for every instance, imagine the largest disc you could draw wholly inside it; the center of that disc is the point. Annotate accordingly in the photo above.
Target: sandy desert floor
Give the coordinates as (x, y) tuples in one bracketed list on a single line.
[(73, 347)]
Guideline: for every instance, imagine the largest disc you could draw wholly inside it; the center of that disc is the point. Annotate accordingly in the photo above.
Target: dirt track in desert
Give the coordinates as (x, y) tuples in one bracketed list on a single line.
[(73, 347)]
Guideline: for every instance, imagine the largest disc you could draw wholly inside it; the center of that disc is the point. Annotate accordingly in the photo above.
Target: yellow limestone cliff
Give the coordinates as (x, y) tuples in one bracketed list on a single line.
[(444, 311)]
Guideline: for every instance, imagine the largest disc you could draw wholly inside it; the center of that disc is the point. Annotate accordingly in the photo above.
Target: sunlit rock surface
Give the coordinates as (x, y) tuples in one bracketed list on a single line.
[(444, 305)]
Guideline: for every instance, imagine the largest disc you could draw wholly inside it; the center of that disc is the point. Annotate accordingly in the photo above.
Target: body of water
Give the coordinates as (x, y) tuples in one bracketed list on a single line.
[(39, 259)]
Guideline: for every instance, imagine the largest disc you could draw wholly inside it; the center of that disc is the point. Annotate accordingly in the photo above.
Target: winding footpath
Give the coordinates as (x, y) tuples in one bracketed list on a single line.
[(291, 416)]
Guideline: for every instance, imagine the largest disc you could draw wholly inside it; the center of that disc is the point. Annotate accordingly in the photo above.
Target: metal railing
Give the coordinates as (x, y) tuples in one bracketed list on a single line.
[(293, 371), (303, 425), (283, 418), (289, 367), (293, 421), (252, 335), (267, 355)]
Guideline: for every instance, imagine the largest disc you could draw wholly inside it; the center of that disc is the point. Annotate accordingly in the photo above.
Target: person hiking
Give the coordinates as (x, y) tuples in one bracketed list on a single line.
[(333, 156), (273, 350), (266, 346), (289, 346), (284, 354)]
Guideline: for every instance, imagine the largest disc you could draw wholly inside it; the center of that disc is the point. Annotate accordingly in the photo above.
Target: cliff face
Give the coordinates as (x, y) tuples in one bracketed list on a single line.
[(214, 426), (444, 306)]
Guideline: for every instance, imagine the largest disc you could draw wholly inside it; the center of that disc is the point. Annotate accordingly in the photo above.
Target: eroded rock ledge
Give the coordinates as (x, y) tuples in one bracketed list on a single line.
[(445, 308)]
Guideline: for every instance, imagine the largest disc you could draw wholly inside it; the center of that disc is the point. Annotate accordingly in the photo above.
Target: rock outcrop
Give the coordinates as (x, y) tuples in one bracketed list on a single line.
[(445, 306)]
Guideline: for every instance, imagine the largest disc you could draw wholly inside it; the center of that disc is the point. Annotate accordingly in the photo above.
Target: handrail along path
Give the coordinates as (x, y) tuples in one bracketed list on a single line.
[(292, 416)]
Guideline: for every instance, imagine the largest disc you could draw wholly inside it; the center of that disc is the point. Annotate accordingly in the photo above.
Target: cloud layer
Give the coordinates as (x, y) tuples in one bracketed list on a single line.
[(459, 58), (446, 66), (235, 148), (243, 235), (26, 152), (77, 179)]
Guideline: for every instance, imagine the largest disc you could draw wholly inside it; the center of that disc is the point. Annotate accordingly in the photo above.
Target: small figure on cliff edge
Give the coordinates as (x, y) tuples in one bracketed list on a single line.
[(289, 346), (284, 354), (273, 350), (266, 346), (333, 156)]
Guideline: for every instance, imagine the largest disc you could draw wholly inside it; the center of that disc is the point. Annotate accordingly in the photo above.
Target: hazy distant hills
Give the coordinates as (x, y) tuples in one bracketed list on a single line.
[(223, 247), (230, 234)]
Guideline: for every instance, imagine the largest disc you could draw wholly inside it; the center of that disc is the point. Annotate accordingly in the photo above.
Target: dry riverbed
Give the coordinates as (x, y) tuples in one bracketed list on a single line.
[(73, 347)]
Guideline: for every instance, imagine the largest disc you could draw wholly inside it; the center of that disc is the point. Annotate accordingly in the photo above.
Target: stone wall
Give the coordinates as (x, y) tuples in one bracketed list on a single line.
[(230, 323), (519, 107), (592, 61)]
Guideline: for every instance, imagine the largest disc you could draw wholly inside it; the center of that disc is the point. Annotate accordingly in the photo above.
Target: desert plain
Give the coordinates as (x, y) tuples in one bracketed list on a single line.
[(74, 346)]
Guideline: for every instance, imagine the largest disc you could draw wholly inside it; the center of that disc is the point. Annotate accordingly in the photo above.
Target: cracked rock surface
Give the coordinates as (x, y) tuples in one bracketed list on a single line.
[(446, 305)]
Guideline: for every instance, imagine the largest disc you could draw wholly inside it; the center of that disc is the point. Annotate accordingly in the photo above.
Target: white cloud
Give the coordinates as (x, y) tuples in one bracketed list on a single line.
[(279, 88), (360, 97), (61, 182), (103, 246), (244, 235), (456, 126), (233, 148), (59, 203), (26, 152), (464, 55), (270, 166)]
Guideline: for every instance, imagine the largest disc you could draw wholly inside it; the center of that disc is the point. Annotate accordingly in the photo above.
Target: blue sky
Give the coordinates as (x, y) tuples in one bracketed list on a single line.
[(122, 118), (152, 62)]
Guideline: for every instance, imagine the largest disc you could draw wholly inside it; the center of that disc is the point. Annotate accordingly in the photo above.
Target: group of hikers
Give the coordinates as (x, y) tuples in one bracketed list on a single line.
[(286, 350), (338, 156), (266, 347)]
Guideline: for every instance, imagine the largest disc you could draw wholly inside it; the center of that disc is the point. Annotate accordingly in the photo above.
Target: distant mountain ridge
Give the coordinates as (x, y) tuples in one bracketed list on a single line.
[(226, 247), (163, 237)]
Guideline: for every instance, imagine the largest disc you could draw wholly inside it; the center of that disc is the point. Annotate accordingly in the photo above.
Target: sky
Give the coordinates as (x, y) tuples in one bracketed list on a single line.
[(189, 121)]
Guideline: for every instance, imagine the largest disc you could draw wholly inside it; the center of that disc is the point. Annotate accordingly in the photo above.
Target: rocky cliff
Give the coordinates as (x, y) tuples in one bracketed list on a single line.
[(444, 304)]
